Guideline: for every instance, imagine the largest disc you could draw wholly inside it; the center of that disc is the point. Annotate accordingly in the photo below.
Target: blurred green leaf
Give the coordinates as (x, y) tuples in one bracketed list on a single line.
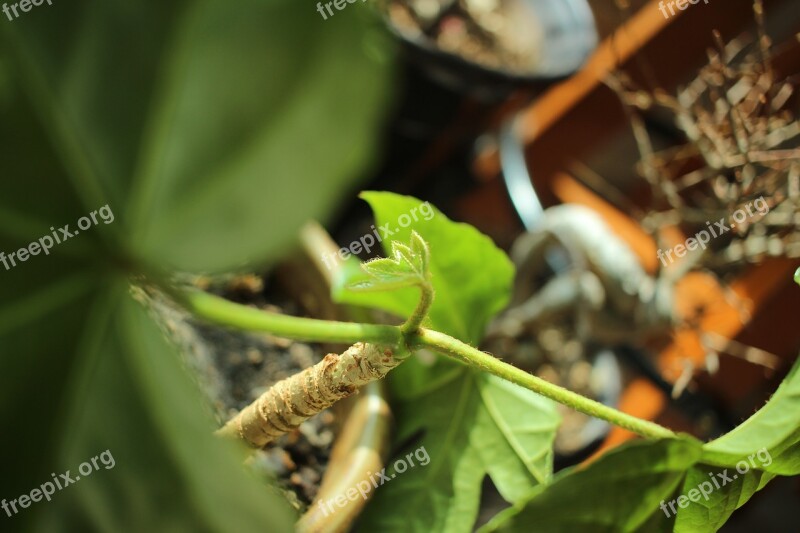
[(212, 132), (127, 393), (44, 303)]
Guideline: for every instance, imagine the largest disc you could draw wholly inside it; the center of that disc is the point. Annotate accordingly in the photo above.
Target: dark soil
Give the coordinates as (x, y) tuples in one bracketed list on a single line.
[(234, 368)]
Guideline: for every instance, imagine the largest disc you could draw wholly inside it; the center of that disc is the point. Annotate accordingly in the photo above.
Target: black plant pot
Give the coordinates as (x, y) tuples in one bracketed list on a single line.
[(566, 35)]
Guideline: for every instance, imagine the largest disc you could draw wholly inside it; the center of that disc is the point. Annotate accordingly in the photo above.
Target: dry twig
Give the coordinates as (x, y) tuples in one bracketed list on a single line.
[(290, 402)]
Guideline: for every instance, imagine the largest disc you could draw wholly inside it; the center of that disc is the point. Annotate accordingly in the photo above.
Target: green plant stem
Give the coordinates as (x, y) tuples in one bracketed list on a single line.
[(230, 314), (415, 320), (473, 357), (226, 313)]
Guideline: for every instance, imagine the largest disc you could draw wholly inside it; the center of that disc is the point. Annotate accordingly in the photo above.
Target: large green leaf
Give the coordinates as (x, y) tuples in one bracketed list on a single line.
[(765, 445), (517, 429), (444, 495), (698, 498), (44, 302), (744, 460), (471, 424), (710, 507), (775, 428), (621, 491)]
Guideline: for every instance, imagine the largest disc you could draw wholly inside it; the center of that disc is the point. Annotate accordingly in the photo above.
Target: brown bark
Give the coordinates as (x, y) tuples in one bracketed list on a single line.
[(290, 402)]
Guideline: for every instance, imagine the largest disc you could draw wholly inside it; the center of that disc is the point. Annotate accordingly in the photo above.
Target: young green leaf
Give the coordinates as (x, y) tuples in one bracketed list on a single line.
[(403, 269), (420, 250), (471, 276), (403, 255), (386, 269)]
